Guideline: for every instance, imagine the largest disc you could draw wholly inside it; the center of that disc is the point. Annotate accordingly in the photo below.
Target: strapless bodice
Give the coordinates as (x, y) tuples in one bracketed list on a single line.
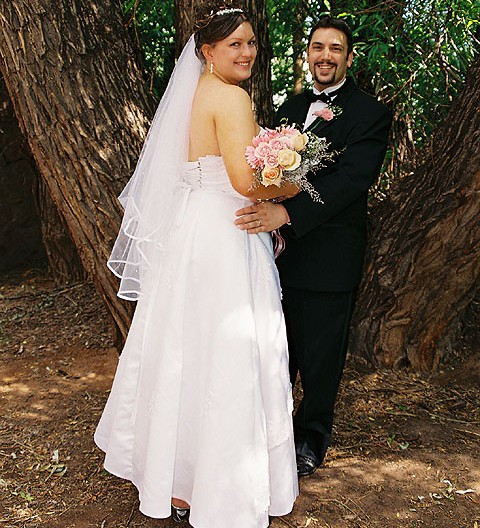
[(208, 173)]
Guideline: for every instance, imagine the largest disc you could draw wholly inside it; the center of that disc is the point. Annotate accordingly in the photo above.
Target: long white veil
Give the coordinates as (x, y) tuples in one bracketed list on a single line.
[(149, 198)]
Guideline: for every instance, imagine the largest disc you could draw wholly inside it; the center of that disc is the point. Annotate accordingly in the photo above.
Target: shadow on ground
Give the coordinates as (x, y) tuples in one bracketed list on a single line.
[(405, 452)]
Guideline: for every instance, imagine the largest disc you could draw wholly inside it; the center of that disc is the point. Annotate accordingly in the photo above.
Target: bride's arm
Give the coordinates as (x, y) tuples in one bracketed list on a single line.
[(236, 127)]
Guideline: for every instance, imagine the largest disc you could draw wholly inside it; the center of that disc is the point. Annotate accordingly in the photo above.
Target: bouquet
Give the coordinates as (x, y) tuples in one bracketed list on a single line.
[(285, 154)]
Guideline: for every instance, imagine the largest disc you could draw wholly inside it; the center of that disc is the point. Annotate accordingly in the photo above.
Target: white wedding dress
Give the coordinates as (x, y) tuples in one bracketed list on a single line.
[(201, 404)]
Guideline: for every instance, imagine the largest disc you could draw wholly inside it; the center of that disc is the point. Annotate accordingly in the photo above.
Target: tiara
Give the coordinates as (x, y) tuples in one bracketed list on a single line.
[(201, 24), (227, 11)]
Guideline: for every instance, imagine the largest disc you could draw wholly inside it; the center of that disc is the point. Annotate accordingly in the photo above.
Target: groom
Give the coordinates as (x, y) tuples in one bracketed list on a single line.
[(320, 268)]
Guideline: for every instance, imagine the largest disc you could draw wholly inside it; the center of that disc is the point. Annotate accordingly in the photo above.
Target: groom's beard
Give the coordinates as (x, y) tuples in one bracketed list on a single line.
[(325, 81)]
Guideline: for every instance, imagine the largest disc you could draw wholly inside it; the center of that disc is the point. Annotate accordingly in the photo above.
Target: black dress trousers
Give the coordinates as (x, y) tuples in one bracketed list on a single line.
[(317, 327)]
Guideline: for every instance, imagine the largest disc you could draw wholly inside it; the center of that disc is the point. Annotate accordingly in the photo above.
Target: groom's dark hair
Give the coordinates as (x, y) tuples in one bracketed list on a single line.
[(336, 23)]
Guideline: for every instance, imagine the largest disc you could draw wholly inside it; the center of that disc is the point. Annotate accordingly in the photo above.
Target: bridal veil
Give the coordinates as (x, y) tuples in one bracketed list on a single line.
[(149, 198)]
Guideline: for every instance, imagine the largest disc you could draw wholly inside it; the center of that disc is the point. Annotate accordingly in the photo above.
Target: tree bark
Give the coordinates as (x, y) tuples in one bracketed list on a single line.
[(36, 231), (80, 100), (184, 17), (422, 268), (260, 83), (64, 263), (298, 37)]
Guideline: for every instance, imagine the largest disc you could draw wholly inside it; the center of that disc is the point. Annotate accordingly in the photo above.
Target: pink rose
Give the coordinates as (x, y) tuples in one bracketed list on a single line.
[(276, 144), (271, 159), (262, 150), (269, 134), (325, 113), (257, 140), (252, 160), (289, 131), (287, 142)]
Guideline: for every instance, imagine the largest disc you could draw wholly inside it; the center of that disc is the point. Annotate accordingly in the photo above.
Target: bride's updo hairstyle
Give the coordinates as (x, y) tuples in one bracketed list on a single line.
[(214, 21)]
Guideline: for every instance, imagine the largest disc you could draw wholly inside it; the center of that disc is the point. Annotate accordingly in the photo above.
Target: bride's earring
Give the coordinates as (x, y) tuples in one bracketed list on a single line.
[(211, 67)]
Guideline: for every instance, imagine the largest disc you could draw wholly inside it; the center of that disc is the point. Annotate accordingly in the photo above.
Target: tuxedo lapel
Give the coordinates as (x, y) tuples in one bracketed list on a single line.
[(299, 111), (318, 125)]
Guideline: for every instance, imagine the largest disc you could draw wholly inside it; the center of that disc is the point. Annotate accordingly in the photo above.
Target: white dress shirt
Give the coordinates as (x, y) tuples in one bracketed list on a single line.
[(320, 105)]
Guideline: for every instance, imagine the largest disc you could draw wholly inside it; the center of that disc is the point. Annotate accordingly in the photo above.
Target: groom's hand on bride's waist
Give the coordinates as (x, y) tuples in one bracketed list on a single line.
[(261, 217)]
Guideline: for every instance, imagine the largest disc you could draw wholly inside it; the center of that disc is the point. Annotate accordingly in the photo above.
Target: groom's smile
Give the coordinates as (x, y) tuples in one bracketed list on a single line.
[(324, 74)]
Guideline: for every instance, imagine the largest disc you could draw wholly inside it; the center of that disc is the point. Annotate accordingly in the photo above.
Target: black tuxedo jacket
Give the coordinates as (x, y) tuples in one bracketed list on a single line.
[(325, 243)]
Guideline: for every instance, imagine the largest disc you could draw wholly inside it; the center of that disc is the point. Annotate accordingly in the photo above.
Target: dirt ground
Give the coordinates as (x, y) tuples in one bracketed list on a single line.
[(405, 452)]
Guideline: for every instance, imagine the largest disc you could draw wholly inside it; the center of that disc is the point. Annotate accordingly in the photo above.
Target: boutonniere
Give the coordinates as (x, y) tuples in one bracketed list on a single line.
[(329, 112)]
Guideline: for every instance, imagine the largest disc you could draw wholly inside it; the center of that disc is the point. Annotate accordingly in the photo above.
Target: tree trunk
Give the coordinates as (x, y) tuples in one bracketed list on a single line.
[(20, 236), (28, 217), (422, 268), (184, 16), (80, 100), (63, 260), (298, 37), (260, 84)]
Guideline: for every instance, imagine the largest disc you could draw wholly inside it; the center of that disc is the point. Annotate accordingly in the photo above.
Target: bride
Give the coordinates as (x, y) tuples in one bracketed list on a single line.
[(199, 415)]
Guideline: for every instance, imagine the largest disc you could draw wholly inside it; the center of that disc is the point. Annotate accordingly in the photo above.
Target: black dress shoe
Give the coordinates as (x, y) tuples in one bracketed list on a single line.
[(306, 465), (180, 515)]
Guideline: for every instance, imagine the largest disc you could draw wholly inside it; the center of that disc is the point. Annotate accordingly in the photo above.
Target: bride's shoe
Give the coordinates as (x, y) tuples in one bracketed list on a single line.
[(180, 514)]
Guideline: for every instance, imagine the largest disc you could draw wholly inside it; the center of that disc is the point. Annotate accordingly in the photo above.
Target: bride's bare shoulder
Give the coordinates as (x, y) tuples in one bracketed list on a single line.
[(234, 95), (210, 92)]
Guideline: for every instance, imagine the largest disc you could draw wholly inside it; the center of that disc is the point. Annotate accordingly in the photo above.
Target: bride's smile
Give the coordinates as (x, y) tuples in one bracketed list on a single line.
[(232, 58)]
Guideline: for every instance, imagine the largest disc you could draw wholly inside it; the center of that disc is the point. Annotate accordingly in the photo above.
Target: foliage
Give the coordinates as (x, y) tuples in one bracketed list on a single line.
[(412, 54), (152, 25), (281, 36)]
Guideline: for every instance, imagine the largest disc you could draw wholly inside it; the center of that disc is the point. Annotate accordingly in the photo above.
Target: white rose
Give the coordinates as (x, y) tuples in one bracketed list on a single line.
[(299, 141), (295, 162), (286, 157)]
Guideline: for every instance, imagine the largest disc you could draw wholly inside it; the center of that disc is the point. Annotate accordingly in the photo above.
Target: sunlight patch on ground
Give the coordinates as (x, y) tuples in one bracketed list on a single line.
[(9, 385)]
